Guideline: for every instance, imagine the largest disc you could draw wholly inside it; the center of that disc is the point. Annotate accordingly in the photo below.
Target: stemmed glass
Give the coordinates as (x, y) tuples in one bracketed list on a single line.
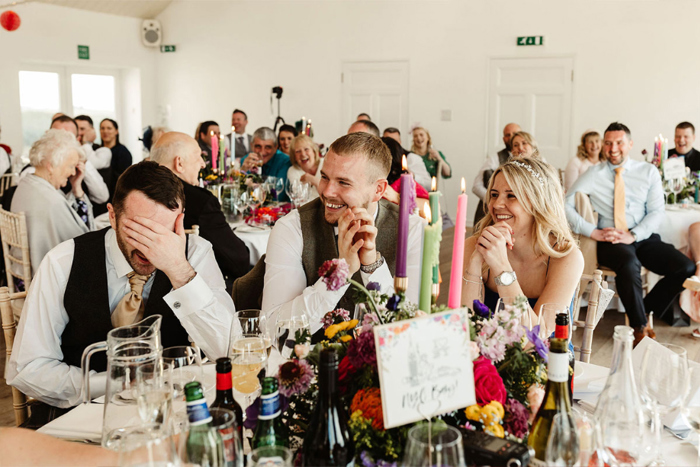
[(249, 347), (186, 363), (664, 381), (149, 444), (297, 191), (256, 197), (691, 411), (155, 392), (279, 188), (563, 443), (439, 446), (286, 331)]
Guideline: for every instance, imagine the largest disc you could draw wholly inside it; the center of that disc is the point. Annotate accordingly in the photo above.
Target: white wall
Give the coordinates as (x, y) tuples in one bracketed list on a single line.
[(634, 62), (50, 35)]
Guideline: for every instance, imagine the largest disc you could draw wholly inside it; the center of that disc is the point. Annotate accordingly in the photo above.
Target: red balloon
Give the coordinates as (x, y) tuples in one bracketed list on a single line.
[(10, 20)]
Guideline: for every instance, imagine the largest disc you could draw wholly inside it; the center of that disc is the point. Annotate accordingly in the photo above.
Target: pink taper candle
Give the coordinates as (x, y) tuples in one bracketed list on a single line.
[(404, 213), (214, 150), (455, 298)]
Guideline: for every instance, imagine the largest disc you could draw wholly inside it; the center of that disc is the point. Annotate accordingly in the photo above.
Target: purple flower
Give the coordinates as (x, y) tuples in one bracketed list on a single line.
[(534, 337), (335, 273), (516, 418), (481, 309), (393, 302), (294, 377), (374, 286), (334, 317), (362, 351)]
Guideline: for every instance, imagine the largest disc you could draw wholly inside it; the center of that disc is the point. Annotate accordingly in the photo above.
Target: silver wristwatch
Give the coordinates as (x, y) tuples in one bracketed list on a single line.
[(506, 278), (370, 268)]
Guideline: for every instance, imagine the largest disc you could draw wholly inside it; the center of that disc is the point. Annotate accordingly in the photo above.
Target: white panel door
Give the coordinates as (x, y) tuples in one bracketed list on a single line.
[(379, 89), (536, 94)]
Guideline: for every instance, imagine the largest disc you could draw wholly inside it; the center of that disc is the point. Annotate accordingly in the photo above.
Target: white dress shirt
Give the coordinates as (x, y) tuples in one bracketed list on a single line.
[(37, 369), (286, 293), (5, 162), (417, 167), (97, 188), (478, 187), (101, 157), (644, 198)]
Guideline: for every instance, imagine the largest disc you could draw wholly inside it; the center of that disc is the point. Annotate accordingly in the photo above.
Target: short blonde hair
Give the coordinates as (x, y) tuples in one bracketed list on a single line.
[(530, 140), (536, 186), (303, 139), (430, 140), (53, 147), (581, 153)]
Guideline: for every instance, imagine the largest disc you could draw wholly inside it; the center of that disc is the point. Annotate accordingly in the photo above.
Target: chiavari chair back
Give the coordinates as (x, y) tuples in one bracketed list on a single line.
[(9, 327), (598, 298)]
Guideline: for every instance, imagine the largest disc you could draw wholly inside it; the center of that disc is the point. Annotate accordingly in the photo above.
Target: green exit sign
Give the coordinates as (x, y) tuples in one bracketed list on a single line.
[(531, 40), (167, 48), (84, 52)]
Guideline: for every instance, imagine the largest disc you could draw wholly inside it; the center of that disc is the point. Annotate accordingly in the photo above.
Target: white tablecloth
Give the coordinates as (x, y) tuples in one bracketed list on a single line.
[(674, 229)]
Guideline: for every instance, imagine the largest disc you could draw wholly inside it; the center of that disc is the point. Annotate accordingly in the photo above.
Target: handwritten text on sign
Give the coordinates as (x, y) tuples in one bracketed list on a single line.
[(425, 368)]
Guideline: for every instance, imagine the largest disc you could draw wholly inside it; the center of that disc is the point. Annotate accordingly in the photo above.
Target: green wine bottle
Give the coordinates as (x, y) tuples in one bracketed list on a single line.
[(269, 431), (204, 444), (556, 399)]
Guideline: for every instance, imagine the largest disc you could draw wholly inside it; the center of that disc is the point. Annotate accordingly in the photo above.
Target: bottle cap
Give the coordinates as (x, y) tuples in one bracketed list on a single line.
[(562, 319), (223, 365)]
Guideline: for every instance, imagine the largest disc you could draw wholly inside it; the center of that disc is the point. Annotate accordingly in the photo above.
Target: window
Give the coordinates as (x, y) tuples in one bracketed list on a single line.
[(93, 95), (39, 99)]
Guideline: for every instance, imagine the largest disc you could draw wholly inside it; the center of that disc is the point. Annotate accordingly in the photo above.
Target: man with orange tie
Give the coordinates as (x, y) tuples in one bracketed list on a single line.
[(628, 197)]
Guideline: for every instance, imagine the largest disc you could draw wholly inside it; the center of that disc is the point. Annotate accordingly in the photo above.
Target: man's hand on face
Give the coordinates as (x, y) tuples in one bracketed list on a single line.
[(162, 247), (368, 233), (76, 180), (348, 245), (90, 136), (253, 160)]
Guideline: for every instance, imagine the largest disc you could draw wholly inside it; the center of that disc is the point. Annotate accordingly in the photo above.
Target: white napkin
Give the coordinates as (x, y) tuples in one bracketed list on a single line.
[(83, 422)]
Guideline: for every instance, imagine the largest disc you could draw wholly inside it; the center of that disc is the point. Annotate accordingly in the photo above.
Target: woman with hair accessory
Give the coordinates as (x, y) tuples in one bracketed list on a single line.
[(306, 163), (523, 246), (588, 154), (433, 159)]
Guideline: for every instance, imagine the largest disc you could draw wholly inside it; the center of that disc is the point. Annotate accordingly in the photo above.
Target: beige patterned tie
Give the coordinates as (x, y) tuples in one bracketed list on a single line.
[(130, 309), (619, 201)]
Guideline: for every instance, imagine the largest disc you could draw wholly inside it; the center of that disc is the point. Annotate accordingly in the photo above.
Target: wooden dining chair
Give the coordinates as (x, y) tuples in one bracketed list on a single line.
[(6, 182), (9, 327), (598, 298), (13, 233)]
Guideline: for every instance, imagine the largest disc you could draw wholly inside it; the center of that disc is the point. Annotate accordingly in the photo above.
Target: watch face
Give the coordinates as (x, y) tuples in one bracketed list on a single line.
[(507, 278)]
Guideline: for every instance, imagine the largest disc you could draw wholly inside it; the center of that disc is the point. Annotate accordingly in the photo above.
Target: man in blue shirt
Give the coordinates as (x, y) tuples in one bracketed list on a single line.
[(625, 230), (264, 153)]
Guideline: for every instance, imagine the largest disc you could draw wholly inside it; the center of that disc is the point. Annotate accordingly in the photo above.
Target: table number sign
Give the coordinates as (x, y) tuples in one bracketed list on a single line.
[(425, 367), (674, 168)]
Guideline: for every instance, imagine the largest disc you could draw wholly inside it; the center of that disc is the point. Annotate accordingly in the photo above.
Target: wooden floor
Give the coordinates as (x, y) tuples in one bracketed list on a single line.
[(602, 339)]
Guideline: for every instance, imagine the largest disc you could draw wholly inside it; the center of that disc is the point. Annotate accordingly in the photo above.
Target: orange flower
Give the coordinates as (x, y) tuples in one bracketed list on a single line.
[(369, 401)]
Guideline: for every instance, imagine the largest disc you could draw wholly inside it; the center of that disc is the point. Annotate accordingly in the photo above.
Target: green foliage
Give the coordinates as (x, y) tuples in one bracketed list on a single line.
[(520, 370)]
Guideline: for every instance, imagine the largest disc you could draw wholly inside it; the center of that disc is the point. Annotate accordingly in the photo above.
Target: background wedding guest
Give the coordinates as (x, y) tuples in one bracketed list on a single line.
[(364, 125), (433, 159), (121, 157), (523, 245), (265, 153), (524, 145), (394, 177), (628, 197), (285, 135), (481, 181), (684, 138), (52, 216), (204, 132), (587, 155), (306, 163), (239, 120), (413, 161), (364, 116)]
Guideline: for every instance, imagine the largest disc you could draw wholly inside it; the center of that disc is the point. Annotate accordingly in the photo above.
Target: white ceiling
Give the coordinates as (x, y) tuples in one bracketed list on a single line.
[(146, 9)]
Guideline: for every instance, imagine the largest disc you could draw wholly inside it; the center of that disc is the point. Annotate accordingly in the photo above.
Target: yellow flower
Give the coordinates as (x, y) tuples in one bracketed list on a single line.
[(345, 338), (352, 323), (498, 407), (332, 330), (343, 326), (495, 430), (472, 412)]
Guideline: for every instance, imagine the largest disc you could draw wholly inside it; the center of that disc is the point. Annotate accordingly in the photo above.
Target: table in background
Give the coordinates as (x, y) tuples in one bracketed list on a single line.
[(255, 238)]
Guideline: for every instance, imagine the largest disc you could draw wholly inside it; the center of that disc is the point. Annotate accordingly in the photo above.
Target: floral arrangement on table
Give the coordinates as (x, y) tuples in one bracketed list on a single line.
[(690, 184), (509, 371), (268, 215)]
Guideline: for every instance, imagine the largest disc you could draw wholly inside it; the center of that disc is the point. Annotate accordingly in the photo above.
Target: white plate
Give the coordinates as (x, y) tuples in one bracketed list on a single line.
[(245, 228)]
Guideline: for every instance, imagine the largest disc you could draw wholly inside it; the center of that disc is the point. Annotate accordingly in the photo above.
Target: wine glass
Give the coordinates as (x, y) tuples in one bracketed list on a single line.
[(155, 392), (253, 324), (240, 201), (224, 421), (256, 197), (429, 446), (563, 447), (248, 359), (664, 380), (279, 188), (149, 444), (691, 410), (186, 363), (287, 328)]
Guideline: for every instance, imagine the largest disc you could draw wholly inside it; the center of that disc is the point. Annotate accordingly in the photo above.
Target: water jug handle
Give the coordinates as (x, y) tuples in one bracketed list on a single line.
[(85, 364)]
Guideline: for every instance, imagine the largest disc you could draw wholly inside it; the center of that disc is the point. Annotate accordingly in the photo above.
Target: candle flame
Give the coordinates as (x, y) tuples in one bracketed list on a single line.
[(656, 138), (464, 186), (433, 185), (404, 163), (221, 137), (211, 132), (427, 213)]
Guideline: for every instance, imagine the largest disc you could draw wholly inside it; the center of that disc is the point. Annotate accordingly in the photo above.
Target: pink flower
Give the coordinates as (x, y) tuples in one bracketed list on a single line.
[(294, 377), (488, 384), (535, 395), (474, 350), (334, 317), (301, 350), (334, 273), (516, 421), (362, 351)]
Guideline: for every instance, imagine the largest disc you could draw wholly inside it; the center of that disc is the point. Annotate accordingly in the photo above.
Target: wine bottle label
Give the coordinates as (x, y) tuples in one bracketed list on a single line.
[(198, 412), (224, 381), (270, 406), (558, 367)]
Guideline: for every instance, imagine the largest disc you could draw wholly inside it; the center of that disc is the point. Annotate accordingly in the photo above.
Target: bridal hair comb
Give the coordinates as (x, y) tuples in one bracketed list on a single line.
[(529, 168)]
